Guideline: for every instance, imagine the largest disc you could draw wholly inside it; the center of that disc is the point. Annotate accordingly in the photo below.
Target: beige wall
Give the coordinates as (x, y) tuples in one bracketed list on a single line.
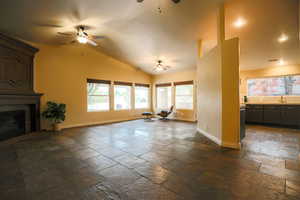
[(218, 94), (268, 72), (186, 75), (209, 92), (61, 73)]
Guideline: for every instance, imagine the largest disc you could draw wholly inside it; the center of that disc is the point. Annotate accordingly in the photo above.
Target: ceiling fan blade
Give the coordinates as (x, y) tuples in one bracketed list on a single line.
[(91, 42), (176, 1), (98, 37), (48, 25), (140, 1), (65, 34)]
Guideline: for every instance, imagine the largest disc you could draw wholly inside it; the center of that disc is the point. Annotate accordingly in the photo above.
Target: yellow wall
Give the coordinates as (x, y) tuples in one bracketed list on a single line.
[(230, 94), (186, 75), (268, 72), (61, 73)]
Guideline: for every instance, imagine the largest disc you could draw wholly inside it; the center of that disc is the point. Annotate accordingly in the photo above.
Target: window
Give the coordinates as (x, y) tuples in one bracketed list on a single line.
[(293, 85), (274, 86), (266, 87), (141, 96), (184, 95), (163, 96), (122, 95), (98, 95)]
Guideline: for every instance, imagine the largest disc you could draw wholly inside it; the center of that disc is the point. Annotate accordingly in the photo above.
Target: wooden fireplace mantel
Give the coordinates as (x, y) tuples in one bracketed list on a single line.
[(16, 77)]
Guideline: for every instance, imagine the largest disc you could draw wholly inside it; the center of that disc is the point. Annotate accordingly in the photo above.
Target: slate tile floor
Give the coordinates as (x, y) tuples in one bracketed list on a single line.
[(158, 160)]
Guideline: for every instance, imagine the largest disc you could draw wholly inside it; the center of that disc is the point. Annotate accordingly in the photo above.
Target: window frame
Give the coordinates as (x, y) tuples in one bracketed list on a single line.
[(269, 77), (193, 95), (102, 82), (141, 85), (126, 84), (161, 85)]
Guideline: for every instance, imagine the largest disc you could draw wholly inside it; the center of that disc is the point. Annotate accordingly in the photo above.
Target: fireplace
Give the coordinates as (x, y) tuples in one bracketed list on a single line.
[(19, 115), (19, 104), (13, 123)]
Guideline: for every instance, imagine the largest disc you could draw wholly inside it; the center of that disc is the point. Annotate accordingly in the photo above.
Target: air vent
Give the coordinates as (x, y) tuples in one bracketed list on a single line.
[(273, 60)]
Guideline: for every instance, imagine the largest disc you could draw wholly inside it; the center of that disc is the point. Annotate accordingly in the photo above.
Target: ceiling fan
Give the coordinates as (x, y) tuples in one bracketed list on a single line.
[(175, 1), (160, 67), (82, 36)]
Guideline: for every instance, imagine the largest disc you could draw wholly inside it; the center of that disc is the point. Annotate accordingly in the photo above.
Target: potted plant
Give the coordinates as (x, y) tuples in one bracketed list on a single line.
[(55, 113)]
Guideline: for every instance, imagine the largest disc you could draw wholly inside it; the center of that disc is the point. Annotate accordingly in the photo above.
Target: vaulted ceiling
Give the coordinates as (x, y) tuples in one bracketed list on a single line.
[(138, 34)]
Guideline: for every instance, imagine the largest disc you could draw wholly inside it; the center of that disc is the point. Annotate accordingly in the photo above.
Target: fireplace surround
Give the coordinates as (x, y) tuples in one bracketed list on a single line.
[(19, 104)]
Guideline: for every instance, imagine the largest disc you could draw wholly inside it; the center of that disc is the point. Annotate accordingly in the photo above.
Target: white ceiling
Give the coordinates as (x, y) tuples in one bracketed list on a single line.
[(139, 35)]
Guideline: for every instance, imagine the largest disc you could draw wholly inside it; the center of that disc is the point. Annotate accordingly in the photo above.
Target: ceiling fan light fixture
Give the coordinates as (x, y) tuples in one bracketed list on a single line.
[(160, 67), (82, 39)]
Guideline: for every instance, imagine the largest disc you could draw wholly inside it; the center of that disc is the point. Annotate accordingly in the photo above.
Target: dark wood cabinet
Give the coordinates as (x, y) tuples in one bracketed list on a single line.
[(242, 123), (291, 115), (254, 113), (16, 66), (16, 85), (275, 114), (272, 114)]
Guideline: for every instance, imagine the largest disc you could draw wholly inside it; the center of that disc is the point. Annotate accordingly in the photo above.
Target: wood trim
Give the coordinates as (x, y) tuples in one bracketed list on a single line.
[(163, 85), (142, 85), (17, 45), (268, 76), (184, 83), (98, 81), (122, 83)]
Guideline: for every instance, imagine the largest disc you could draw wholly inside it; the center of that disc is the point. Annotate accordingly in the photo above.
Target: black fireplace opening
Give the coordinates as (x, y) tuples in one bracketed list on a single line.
[(12, 124)]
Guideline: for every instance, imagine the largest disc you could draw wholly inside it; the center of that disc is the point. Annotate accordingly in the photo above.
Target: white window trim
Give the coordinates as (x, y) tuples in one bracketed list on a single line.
[(100, 110), (172, 97), (131, 102), (149, 97), (193, 97)]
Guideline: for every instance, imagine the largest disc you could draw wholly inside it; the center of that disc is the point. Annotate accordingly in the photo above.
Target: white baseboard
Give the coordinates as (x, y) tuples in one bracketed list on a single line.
[(100, 122), (209, 136), (218, 141)]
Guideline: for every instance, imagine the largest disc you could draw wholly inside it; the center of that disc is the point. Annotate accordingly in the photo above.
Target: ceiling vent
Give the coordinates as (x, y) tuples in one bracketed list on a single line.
[(273, 60)]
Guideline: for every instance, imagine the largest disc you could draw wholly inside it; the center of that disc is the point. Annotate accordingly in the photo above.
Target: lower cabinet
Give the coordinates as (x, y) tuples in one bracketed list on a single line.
[(254, 113), (285, 115), (272, 114), (242, 123), (291, 116)]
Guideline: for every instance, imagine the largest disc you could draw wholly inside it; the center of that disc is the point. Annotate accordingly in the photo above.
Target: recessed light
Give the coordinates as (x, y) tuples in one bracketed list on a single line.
[(281, 62), (240, 22), (283, 38)]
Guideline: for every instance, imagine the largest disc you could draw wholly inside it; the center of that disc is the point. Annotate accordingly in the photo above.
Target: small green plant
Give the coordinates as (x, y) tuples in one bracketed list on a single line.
[(55, 112)]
